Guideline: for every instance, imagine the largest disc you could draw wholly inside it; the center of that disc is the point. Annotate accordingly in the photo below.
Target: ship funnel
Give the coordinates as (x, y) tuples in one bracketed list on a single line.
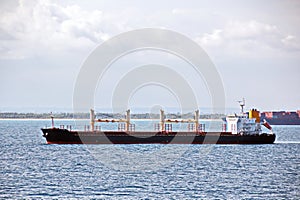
[(254, 114)]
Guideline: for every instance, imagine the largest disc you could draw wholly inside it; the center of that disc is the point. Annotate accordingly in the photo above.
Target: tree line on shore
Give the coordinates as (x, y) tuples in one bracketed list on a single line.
[(15, 115)]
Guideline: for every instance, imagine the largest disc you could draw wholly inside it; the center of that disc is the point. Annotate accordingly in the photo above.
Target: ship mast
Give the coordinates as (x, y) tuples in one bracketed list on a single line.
[(242, 104), (52, 119)]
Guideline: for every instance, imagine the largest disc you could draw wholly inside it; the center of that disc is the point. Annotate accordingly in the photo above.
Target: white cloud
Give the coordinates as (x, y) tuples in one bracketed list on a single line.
[(291, 42), (37, 25), (247, 36), (178, 11)]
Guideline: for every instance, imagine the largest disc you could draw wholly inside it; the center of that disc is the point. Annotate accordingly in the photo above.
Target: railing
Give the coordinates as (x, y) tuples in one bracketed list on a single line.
[(122, 127)]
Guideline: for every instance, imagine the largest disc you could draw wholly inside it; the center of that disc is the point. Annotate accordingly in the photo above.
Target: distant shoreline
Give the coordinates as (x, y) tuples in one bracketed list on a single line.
[(85, 116), (68, 119), (38, 119)]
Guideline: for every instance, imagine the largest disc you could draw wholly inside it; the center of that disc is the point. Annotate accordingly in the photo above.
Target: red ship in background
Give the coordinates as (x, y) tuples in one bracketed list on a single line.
[(281, 117)]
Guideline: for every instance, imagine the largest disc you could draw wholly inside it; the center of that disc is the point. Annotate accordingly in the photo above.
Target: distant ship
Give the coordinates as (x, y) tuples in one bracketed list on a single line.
[(282, 117), (237, 129)]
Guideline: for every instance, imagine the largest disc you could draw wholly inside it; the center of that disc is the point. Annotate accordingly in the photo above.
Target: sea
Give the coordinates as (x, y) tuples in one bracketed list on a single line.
[(32, 169)]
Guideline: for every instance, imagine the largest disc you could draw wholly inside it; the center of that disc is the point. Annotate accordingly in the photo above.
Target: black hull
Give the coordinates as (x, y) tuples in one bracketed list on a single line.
[(64, 136)]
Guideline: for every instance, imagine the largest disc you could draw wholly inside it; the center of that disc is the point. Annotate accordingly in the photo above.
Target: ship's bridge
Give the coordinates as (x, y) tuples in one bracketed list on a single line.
[(241, 124)]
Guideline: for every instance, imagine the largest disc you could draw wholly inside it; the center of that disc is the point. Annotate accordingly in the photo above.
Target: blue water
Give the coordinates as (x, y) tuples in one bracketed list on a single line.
[(31, 169)]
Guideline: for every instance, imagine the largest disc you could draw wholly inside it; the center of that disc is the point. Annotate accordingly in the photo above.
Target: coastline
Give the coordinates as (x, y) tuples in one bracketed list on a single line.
[(38, 119), (70, 119)]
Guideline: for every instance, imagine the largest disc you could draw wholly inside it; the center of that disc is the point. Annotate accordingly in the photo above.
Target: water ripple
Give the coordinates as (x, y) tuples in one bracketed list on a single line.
[(32, 170)]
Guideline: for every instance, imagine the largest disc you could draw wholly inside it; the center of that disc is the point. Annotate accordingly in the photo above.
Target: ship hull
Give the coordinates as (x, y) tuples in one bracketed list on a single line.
[(64, 136)]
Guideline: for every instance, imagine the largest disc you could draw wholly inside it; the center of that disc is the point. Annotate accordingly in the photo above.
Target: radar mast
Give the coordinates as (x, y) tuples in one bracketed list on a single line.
[(242, 104)]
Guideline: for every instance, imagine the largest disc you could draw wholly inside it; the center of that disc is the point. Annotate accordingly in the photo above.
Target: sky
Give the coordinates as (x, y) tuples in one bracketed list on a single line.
[(254, 45)]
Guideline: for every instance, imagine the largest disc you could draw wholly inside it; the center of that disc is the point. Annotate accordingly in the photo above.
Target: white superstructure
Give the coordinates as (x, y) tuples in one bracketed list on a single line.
[(245, 123), (241, 124)]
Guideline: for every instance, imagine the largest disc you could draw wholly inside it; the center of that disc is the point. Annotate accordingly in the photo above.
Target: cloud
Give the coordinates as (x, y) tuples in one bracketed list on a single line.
[(36, 25), (36, 28), (291, 42), (178, 11), (248, 36)]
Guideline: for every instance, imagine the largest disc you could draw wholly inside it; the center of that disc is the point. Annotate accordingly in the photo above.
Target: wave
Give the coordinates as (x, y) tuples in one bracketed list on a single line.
[(287, 142)]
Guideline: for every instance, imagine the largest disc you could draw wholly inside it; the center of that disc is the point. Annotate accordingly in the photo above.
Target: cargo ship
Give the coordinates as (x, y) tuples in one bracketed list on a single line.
[(282, 117), (243, 128)]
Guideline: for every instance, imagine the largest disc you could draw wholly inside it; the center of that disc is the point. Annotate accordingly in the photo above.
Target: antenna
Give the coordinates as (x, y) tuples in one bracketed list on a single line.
[(242, 104)]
